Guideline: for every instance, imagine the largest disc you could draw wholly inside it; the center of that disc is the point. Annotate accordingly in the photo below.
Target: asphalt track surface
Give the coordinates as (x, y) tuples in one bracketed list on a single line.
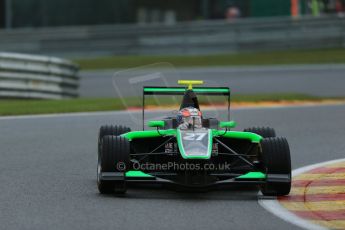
[(319, 80), (48, 175)]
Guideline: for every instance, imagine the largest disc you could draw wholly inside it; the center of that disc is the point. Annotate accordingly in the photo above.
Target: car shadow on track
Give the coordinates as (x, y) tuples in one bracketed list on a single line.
[(236, 193)]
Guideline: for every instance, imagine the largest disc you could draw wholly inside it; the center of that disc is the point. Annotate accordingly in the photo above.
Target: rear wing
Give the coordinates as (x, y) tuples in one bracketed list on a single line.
[(181, 90), (161, 90)]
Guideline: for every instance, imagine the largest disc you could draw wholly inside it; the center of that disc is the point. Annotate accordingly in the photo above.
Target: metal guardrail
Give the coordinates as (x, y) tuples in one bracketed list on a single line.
[(199, 37), (32, 76)]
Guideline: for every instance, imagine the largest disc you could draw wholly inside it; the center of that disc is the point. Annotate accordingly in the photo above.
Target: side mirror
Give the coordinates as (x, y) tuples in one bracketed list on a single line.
[(158, 124), (227, 124)]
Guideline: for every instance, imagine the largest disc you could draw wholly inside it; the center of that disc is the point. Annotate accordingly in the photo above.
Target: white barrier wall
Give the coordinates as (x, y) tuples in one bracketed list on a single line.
[(33, 76)]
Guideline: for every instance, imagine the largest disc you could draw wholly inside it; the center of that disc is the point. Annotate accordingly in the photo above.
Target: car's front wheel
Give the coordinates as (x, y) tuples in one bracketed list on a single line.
[(114, 157), (276, 162), (114, 130)]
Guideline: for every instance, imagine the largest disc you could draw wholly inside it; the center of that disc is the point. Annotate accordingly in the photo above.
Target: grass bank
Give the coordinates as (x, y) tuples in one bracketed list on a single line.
[(26, 107), (316, 56)]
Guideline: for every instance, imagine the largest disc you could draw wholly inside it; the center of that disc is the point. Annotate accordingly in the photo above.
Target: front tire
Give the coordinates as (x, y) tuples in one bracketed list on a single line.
[(114, 157), (112, 130), (276, 160)]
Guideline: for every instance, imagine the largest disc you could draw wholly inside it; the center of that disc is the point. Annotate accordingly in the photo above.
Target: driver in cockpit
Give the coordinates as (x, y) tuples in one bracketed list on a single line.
[(189, 118)]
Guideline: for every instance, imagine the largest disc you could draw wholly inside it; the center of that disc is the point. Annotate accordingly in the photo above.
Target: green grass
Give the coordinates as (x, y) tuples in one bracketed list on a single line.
[(319, 56), (21, 107), (24, 107)]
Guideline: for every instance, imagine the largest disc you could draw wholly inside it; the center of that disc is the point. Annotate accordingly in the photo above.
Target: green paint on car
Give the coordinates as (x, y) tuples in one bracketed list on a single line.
[(252, 175), (148, 134), (182, 90), (137, 174), (253, 137)]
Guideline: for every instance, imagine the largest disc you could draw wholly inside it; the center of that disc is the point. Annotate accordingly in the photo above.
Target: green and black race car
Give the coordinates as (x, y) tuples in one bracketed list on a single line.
[(192, 151)]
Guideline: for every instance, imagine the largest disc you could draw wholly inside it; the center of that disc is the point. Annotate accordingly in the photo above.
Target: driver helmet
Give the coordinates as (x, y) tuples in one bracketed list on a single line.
[(187, 117)]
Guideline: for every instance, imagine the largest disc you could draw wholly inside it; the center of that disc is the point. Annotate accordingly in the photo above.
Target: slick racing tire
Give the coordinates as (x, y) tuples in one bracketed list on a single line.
[(265, 132), (114, 130), (114, 157), (276, 160)]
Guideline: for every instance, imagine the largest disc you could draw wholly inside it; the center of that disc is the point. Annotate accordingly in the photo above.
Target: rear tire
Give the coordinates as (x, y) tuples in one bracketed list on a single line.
[(265, 132), (114, 152), (276, 160), (112, 130)]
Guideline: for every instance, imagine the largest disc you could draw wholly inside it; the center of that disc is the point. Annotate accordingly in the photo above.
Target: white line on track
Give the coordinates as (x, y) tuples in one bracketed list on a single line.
[(105, 113), (274, 207)]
